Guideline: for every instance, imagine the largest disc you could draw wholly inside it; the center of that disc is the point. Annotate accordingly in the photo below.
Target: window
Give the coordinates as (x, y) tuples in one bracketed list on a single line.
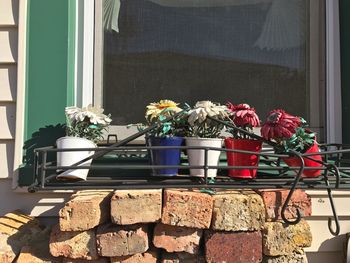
[(268, 53), (72, 80)]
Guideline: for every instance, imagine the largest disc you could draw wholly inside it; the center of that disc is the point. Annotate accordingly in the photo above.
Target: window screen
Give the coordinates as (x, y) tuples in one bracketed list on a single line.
[(251, 51)]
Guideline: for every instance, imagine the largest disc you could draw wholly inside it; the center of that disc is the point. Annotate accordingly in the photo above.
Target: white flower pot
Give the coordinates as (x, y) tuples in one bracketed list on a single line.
[(196, 157), (70, 158)]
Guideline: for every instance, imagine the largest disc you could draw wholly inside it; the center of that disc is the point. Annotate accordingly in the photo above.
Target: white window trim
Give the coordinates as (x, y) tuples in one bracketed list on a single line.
[(84, 52), (21, 82), (333, 119), (333, 73)]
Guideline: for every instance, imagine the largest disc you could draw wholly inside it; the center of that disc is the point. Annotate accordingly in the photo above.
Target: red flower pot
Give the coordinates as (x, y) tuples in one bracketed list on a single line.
[(295, 161), (242, 159)]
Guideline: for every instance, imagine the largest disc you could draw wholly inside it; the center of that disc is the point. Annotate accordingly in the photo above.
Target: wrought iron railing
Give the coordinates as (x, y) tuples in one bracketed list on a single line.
[(272, 173)]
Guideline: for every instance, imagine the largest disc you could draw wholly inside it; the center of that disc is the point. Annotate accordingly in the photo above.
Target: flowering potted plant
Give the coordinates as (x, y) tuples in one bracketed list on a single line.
[(168, 134), (291, 133), (244, 117), (84, 128), (203, 131)]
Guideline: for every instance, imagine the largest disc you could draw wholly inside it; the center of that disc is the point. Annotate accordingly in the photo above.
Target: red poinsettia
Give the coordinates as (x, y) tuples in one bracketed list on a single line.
[(280, 125), (243, 115)]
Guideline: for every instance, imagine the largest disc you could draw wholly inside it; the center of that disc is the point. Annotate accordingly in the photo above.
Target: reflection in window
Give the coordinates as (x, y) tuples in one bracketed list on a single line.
[(251, 51)]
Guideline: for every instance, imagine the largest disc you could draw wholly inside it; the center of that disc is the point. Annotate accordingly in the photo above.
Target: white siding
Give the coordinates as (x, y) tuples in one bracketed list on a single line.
[(322, 207), (8, 85), (9, 12), (325, 257), (38, 204), (6, 157), (325, 247), (8, 45), (322, 239), (8, 82), (8, 120)]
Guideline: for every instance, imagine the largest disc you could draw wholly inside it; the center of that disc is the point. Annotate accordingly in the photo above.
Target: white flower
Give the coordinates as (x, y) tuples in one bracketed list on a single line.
[(71, 112), (202, 109), (93, 114)]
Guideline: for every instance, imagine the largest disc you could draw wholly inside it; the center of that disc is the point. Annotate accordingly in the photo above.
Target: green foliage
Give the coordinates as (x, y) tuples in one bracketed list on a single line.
[(174, 127), (301, 140), (206, 129), (85, 129), (236, 134)]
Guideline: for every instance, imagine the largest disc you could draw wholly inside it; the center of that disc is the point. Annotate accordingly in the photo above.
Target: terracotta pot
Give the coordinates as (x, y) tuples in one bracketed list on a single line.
[(295, 161), (242, 159)]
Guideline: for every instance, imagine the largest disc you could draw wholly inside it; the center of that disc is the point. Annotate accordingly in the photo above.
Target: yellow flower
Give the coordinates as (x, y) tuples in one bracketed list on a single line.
[(155, 109)]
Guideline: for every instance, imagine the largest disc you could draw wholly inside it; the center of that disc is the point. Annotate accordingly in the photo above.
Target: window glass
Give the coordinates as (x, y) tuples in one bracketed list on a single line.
[(245, 51)]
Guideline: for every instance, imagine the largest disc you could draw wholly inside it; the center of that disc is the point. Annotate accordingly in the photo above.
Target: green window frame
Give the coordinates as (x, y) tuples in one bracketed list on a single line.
[(49, 77)]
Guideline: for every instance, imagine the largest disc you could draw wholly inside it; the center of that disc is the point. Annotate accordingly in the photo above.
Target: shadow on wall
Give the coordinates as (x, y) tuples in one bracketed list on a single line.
[(13, 39), (23, 234), (330, 250), (44, 137)]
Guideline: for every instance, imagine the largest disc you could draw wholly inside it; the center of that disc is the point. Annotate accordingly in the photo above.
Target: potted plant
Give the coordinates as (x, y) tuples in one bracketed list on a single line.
[(291, 133), (205, 132), (170, 133), (244, 117), (84, 128)]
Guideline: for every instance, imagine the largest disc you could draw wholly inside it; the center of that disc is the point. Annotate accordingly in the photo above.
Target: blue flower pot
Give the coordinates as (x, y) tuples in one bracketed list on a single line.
[(166, 156)]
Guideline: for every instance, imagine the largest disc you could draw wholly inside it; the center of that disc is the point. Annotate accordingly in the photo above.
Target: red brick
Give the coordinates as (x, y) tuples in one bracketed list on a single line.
[(187, 208), (181, 258), (86, 210), (19, 227), (233, 247), (99, 260), (74, 244), (114, 240), (274, 200), (177, 239), (127, 204), (38, 250), (292, 258), (27, 255), (147, 257)]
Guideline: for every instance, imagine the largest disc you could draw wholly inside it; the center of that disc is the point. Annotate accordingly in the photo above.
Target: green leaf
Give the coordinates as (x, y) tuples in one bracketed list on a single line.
[(208, 191)]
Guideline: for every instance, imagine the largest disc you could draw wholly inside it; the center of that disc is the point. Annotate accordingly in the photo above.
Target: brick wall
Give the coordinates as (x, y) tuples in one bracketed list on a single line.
[(180, 226)]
